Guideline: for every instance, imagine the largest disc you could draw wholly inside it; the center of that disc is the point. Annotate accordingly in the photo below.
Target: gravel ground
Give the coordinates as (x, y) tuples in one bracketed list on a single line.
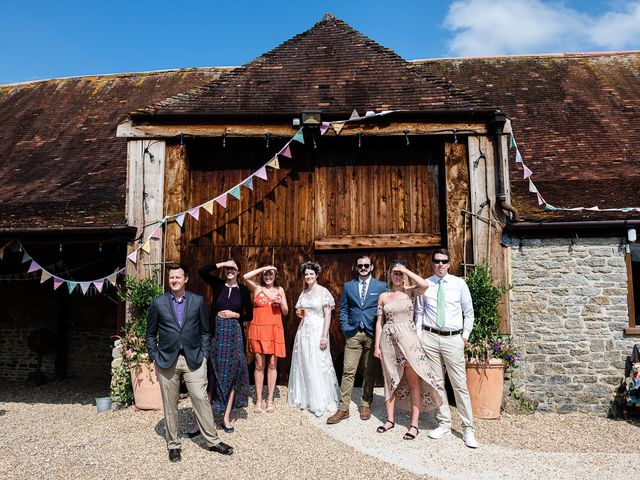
[(54, 432)]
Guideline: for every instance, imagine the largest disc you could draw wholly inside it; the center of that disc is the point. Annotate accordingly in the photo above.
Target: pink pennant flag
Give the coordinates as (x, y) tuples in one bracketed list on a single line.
[(540, 199), (527, 172), (34, 267), (286, 151), (261, 173), (98, 284), (180, 219), (155, 235), (354, 115), (57, 282), (324, 127), (133, 256), (532, 187), (194, 212), (208, 207), (222, 200), (84, 286)]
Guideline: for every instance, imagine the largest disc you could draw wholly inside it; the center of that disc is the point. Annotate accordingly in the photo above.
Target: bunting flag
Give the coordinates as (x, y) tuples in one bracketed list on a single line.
[(98, 284), (248, 183), (235, 192), (57, 282), (527, 172), (146, 247), (25, 257), (180, 219), (548, 206), (222, 200), (354, 115), (286, 151), (133, 256), (45, 276), (532, 187), (518, 157), (208, 207), (540, 199), (34, 267), (337, 127), (324, 127), (2, 252), (71, 286), (194, 212), (273, 163), (299, 137), (155, 235), (261, 173), (512, 141), (112, 278), (84, 286)]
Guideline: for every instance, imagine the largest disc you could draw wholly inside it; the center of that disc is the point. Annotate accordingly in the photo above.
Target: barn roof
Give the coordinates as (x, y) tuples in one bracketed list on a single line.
[(61, 165), (330, 67), (576, 120)]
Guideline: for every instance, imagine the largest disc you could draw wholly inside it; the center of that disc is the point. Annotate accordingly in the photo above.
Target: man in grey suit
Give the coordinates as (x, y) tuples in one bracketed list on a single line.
[(358, 307), (178, 343)]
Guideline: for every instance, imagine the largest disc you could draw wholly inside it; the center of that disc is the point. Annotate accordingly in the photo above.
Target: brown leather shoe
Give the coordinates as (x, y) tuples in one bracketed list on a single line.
[(365, 412), (337, 417)]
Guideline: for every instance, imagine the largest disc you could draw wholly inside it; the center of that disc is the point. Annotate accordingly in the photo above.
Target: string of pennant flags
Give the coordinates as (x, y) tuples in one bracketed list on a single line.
[(194, 212), (528, 174), (34, 268)]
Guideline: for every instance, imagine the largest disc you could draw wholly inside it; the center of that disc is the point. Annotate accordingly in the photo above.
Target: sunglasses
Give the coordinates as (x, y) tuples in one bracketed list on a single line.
[(440, 262), (363, 266)]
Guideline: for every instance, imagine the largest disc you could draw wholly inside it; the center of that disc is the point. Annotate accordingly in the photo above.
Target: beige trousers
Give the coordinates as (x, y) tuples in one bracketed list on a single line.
[(357, 348), (196, 381), (448, 351)]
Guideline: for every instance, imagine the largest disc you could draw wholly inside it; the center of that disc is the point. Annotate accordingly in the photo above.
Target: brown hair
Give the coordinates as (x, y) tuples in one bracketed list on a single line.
[(178, 266), (441, 251)]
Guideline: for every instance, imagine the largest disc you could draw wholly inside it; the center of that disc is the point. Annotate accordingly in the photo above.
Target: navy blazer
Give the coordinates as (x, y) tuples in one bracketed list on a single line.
[(164, 335), (352, 311)]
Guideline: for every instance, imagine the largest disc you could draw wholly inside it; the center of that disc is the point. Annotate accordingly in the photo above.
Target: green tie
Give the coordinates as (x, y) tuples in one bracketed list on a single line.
[(441, 304)]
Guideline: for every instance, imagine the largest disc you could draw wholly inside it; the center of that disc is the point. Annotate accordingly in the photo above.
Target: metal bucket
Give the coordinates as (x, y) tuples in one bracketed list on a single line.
[(103, 404)]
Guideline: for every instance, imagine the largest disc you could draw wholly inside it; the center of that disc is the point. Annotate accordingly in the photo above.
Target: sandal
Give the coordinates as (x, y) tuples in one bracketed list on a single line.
[(382, 428), (409, 435), (258, 408), (270, 407)]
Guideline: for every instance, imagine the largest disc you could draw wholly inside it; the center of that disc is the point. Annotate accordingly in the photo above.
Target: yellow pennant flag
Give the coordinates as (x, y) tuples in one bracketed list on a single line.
[(146, 246), (274, 163), (337, 127), (208, 207), (45, 276)]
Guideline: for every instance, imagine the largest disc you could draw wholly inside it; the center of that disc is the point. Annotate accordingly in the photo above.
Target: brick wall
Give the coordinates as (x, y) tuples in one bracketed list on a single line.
[(568, 311)]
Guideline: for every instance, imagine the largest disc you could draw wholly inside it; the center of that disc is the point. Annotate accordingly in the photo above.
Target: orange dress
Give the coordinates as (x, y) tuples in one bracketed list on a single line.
[(266, 335)]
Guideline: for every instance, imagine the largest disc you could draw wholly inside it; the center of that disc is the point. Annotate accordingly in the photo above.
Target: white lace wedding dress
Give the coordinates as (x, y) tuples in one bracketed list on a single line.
[(312, 380)]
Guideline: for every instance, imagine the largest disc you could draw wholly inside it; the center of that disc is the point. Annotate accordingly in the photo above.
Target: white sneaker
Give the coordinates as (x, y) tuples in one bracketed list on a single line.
[(469, 438), (439, 432)]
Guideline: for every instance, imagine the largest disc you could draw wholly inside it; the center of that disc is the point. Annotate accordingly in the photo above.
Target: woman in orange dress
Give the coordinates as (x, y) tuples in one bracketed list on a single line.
[(266, 335)]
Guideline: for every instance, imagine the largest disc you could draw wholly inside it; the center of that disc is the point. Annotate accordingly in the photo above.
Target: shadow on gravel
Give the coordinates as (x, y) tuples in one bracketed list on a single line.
[(70, 391)]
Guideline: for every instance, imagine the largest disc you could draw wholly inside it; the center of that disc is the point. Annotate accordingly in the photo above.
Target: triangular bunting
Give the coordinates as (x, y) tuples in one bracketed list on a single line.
[(45, 276), (146, 246), (512, 141), (235, 191), (25, 257), (518, 156), (550, 207), (34, 267), (180, 219), (194, 212), (222, 199), (84, 286), (324, 127), (72, 286), (133, 256), (248, 183), (16, 247), (593, 209), (527, 172), (286, 151), (354, 115), (540, 199), (299, 137), (532, 187), (98, 284), (370, 113), (112, 278), (337, 127), (208, 207), (261, 173), (155, 235), (57, 282), (2, 253), (274, 163)]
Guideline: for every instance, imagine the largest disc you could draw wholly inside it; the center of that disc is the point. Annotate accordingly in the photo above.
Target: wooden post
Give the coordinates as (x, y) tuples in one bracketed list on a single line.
[(176, 197), (457, 198)]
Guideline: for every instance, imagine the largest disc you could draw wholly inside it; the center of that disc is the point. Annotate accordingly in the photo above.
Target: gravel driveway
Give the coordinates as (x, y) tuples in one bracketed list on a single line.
[(53, 432)]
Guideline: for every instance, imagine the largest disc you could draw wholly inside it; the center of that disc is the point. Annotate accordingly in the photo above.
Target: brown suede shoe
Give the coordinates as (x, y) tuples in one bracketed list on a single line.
[(337, 417), (365, 412)]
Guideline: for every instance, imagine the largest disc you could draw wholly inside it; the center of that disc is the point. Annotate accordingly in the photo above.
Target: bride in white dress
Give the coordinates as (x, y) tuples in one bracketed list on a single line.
[(313, 383)]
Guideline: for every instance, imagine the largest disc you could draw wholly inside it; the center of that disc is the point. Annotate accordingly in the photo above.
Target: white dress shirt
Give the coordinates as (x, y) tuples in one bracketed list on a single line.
[(458, 306)]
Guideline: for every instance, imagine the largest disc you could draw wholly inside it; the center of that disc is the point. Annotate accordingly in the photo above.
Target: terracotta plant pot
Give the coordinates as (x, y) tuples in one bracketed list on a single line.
[(146, 389), (486, 384)]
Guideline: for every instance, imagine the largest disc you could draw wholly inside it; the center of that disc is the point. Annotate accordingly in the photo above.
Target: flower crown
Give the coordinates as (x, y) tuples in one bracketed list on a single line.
[(311, 266)]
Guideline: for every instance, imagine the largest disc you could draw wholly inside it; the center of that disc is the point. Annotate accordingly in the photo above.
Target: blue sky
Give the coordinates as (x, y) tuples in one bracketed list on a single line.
[(47, 39)]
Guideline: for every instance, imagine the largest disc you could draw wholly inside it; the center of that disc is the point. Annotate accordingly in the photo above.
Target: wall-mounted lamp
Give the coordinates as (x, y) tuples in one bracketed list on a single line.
[(631, 235), (311, 118)]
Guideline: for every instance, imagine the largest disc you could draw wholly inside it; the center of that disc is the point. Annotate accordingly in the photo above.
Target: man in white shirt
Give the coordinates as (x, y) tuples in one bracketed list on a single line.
[(444, 318)]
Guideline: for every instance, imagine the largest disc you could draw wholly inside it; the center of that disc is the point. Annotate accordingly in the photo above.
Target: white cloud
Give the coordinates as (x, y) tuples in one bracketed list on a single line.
[(495, 27)]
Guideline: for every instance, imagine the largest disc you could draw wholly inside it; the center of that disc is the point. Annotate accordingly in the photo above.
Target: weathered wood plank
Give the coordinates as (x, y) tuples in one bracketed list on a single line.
[(457, 198), (388, 240)]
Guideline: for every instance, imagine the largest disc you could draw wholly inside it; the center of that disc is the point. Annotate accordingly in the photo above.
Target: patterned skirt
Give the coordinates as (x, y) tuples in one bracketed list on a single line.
[(228, 366)]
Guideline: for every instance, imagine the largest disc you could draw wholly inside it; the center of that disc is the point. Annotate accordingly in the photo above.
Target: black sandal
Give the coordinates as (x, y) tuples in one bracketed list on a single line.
[(410, 436), (382, 428)]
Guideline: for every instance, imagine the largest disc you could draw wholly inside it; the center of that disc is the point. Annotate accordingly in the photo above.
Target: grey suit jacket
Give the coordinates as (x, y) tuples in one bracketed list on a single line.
[(164, 335)]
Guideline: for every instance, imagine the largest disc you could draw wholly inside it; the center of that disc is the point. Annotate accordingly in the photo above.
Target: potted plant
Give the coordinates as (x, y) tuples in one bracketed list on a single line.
[(134, 358), (491, 356)]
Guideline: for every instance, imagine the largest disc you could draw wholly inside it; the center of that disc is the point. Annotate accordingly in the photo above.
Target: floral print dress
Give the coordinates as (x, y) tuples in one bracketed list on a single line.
[(399, 346)]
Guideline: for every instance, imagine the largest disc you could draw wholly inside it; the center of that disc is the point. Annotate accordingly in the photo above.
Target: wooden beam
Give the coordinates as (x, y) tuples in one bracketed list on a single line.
[(392, 240), (457, 199), (176, 197)]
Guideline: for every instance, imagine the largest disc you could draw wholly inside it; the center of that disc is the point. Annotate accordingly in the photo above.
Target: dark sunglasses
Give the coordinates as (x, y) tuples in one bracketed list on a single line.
[(441, 262), (362, 266)]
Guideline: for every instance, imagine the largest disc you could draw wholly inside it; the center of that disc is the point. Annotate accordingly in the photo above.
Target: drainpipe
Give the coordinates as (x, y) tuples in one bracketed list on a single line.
[(496, 126)]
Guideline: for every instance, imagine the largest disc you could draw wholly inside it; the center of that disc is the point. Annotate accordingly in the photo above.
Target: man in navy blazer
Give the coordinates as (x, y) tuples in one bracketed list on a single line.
[(178, 343), (358, 313)]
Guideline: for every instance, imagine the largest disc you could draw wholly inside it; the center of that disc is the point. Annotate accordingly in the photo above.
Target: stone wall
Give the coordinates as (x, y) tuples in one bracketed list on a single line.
[(568, 312)]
